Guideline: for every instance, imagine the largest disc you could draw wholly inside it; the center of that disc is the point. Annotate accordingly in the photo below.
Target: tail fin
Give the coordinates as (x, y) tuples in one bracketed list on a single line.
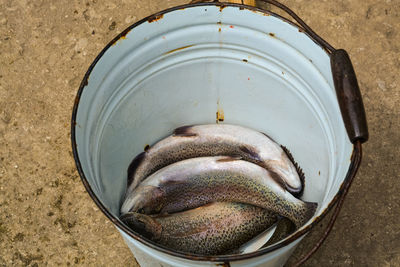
[(310, 208)]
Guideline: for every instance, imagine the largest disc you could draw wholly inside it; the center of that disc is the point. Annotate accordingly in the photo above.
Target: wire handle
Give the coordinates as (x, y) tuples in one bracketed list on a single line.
[(356, 161), (351, 105)]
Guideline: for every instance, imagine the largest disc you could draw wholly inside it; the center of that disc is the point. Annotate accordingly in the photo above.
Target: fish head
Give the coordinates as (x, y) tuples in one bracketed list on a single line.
[(144, 199), (286, 174), (142, 224)]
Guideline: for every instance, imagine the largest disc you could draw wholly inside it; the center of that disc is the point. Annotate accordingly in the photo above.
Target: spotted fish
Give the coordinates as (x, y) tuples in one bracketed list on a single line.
[(213, 229), (218, 140), (195, 182)]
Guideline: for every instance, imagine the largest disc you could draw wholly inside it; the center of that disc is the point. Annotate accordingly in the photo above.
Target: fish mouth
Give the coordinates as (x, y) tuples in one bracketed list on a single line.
[(299, 172), (293, 190), (278, 174)]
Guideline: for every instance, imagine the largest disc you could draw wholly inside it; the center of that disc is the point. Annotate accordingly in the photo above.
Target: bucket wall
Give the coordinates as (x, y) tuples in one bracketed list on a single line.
[(196, 65)]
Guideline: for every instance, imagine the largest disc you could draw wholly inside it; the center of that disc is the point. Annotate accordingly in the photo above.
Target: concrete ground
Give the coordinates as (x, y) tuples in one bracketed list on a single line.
[(46, 216)]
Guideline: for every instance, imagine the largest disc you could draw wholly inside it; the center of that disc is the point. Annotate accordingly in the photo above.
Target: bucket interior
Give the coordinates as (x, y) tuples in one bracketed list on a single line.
[(195, 65)]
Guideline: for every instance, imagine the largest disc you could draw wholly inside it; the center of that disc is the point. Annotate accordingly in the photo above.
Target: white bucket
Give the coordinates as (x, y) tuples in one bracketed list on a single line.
[(184, 66)]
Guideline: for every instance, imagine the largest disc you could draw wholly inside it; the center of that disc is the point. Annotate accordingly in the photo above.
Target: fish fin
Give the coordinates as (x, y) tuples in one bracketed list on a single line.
[(133, 166), (184, 131), (251, 153), (299, 171), (229, 158)]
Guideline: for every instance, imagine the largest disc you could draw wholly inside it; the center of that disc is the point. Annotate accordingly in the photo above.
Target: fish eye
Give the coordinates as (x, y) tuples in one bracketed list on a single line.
[(141, 210)]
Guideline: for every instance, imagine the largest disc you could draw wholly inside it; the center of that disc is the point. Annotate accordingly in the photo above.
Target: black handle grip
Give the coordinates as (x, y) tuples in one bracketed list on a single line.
[(349, 96)]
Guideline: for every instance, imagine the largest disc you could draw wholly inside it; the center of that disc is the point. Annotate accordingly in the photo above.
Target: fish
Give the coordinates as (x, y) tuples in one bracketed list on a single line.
[(218, 140), (212, 229), (191, 183)]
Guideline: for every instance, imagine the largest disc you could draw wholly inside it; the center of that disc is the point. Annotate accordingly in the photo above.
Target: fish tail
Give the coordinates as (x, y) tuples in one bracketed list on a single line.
[(310, 208)]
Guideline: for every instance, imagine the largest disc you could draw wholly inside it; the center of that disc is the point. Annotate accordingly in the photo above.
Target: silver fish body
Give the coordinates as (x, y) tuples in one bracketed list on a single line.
[(195, 182), (212, 229), (217, 140)]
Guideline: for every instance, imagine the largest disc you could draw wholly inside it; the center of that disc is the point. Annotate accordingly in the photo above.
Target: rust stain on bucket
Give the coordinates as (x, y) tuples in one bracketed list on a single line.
[(122, 37), (155, 18), (177, 49), (220, 117), (221, 7)]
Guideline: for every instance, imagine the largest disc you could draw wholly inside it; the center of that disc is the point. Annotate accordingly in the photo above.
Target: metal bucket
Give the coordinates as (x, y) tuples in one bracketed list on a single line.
[(203, 63)]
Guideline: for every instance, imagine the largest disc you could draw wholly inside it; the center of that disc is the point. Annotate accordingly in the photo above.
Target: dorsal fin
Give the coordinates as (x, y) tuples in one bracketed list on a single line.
[(184, 131)]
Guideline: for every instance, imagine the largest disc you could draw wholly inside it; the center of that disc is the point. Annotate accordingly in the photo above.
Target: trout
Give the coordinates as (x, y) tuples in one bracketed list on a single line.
[(212, 229), (191, 183), (218, 140)]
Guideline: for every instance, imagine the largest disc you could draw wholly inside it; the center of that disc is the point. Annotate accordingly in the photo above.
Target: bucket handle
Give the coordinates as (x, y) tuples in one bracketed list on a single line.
[(352, 110), (351, 107), (344, 77), (349, 96), (345, 81)]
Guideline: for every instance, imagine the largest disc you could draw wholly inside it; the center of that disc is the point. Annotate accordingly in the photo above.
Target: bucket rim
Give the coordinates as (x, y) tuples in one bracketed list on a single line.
[(188, 256)]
